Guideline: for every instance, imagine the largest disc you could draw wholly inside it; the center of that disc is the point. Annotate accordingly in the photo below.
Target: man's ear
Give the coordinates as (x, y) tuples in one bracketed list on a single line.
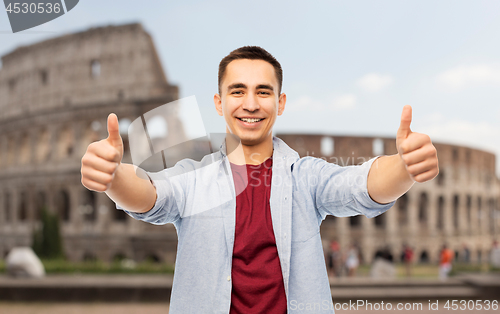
[(218, 104), (281, 103)]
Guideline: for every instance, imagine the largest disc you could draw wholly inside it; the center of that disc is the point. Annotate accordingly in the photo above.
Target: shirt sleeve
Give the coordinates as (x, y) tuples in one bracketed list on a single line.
[(165, 209), (343, 191)]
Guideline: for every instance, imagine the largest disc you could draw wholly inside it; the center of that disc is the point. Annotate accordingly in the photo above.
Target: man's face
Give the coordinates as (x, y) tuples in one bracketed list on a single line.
[(249, 100)]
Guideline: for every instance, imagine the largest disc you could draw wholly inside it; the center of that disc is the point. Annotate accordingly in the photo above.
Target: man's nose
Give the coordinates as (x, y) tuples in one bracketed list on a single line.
[(251, 103)]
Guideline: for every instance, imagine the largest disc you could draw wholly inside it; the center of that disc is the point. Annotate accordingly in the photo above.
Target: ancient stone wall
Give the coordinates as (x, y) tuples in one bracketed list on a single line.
[(459, 207)]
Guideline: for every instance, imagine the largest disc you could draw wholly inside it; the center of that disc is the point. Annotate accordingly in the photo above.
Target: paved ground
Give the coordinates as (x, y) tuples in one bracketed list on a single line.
[(83, 308), (162, 308)]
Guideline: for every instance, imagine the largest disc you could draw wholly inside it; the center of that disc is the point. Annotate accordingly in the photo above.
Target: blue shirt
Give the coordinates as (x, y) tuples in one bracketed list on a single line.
[(199, 199)]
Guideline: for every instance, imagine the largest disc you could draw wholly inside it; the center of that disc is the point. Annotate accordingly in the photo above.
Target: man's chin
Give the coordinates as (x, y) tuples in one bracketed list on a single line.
[(251, 141)]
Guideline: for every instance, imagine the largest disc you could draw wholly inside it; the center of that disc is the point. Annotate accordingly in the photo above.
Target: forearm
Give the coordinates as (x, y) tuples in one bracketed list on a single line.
[(131, 192), (388, 179)]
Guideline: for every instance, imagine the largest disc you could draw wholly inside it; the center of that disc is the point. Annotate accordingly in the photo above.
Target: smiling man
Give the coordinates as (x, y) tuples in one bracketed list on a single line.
[(248, 224)]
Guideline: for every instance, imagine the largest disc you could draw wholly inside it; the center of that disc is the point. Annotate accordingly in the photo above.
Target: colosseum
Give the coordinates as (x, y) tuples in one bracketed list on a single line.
[(57, 94)]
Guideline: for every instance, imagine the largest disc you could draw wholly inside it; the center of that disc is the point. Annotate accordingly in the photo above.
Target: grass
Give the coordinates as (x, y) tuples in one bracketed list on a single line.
[(60, 266)]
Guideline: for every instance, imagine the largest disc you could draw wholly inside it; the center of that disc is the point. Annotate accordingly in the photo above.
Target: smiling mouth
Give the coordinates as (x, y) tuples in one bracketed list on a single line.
[(249, 120)]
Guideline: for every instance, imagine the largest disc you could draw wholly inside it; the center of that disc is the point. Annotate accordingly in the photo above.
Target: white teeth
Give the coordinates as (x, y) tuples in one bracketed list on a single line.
[(250, 120)]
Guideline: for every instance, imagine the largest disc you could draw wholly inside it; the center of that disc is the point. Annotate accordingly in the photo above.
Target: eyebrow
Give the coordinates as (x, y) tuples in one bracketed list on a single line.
[(236, 85), (241, 85)]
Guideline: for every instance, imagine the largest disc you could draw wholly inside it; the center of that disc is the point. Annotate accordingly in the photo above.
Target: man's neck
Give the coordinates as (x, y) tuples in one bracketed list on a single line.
[(241, 154)]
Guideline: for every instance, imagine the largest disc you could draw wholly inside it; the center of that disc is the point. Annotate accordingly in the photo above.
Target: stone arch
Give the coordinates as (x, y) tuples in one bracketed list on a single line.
[(327, 146), (24, 151), (119, 256), (65, 141), (89, 257), (7, 207), (63, 205), (41, 202), (491, 215), (153, 257), (469, 211), (403, 209), (424, 257), (423, 207), (381, 220), (479, 211), (90, 134), (440, 213), (43, 146), (95, 68), (89, 201), (441, 177), (355, 221), (378, 147), (119, 214), (456, 214), (23, 207), (11, 150)]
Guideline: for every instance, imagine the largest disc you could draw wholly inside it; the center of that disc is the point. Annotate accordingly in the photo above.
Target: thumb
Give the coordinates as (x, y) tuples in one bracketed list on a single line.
[(404, 127), (114, 137)]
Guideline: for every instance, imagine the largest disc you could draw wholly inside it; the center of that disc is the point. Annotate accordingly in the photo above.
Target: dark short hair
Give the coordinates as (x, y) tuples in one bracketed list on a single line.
[(252, 53)]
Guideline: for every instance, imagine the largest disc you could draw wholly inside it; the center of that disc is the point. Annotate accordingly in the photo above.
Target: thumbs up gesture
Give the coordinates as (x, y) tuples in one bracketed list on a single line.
[(102, 159), (416, 150)]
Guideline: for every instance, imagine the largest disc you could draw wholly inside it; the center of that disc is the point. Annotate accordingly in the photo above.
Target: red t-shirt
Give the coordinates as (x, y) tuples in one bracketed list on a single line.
[(256, 273)]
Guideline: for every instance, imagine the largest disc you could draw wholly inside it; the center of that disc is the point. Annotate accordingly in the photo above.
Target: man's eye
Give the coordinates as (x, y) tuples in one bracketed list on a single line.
[(265, 93), (236, 92)]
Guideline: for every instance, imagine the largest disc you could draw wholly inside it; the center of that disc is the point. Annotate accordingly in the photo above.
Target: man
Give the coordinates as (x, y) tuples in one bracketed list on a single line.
[(248, 244)]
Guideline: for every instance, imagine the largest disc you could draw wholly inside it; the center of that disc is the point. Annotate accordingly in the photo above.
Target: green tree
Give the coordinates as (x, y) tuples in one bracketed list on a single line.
[(47, 242)]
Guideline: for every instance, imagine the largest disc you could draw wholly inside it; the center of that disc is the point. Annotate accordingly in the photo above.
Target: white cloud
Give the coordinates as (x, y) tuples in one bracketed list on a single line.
[(343, 102), (374, 82), (335, 103), (467, 75)]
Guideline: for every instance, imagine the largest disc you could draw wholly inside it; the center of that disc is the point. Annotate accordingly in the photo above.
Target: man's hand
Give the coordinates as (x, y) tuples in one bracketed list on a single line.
[(103, 158), (416, 150)]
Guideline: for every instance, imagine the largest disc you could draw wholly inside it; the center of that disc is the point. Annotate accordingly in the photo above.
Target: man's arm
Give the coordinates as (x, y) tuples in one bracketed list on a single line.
[(131, 192), (102, 171), (416, 161)]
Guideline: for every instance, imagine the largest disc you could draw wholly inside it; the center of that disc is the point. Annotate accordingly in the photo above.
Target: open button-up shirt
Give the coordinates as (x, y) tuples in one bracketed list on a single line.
[(199, 199)]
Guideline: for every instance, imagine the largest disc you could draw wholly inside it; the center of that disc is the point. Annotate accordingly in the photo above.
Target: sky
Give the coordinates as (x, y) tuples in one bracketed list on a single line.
[(349, 66)]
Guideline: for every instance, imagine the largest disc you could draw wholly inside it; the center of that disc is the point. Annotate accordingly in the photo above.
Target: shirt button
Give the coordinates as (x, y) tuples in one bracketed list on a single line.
[(228, 278), (286, 198)]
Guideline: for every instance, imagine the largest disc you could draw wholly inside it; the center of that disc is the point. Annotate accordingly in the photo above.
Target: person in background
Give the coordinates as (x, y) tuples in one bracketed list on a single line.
[(495, 255), (445, 263), (335, 259), (352, 260), (465, 253), (408, 259)]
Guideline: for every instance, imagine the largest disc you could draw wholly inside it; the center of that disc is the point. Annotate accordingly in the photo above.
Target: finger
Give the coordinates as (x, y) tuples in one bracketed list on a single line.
[(404, 127), (426, 176), (413, 142), (419, 155), (97, 176), (99, 164), (108, 152), (421, 167), (94, 186), (114, 137)]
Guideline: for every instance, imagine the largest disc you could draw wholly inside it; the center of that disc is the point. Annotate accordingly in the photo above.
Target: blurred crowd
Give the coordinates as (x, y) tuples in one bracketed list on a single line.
[(345, 263)]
